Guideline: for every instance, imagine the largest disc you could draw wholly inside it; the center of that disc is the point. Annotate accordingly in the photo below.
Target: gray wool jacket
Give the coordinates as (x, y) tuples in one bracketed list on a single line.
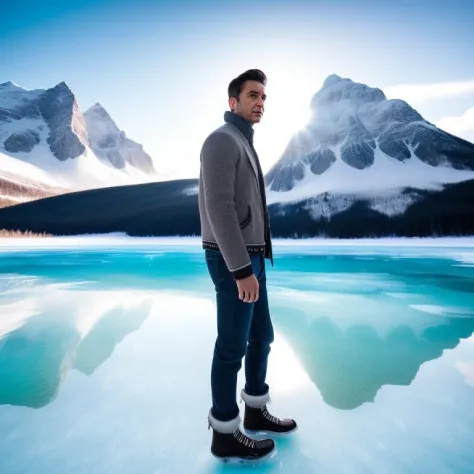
[(230, 204)]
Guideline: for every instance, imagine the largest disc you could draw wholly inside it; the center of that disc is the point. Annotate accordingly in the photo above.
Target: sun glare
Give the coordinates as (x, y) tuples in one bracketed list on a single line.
[(287, 112)]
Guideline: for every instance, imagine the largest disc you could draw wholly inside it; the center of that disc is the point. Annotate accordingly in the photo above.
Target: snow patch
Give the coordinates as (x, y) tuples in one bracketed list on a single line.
[(23, 172), (326, 206), (14, 97), (392, 205), (191, 191), (387, 175), (381, 184)]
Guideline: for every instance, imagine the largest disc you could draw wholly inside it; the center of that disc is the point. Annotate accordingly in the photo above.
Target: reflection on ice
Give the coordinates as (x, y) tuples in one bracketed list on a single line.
[(356, 333), (350, 366), (48, 333)]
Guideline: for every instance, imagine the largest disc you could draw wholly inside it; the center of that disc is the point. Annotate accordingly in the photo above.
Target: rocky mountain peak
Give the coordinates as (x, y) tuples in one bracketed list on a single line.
[(352, 126), (59, 108), (332, 79), (337, 89), (10, 85), (99, 119), (110, 143)]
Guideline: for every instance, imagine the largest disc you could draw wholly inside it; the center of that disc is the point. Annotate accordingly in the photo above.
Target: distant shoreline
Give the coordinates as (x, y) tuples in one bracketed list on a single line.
[(119, 238)]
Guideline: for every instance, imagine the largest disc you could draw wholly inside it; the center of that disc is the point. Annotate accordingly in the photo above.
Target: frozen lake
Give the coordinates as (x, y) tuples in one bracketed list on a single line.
[(106, 345)]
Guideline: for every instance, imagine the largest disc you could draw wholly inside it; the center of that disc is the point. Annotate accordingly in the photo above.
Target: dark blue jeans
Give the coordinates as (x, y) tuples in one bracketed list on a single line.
[(243, 329)]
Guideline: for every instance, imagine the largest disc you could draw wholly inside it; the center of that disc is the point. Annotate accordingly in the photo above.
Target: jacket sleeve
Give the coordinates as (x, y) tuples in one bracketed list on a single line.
[(219, 157)]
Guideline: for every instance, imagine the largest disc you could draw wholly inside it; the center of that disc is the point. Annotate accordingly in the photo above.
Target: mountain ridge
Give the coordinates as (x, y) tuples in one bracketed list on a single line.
[(46, 128)]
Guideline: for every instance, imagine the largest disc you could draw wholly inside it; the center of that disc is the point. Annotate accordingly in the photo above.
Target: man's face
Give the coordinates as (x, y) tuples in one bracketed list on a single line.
[(251, 101)]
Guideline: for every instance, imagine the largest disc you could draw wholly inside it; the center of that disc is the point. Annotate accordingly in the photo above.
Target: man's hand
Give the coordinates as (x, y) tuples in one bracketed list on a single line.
[(248, 289)]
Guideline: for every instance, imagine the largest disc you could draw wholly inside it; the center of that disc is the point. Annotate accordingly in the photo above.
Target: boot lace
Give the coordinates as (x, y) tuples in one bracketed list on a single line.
[(269, 416), (245, 440)]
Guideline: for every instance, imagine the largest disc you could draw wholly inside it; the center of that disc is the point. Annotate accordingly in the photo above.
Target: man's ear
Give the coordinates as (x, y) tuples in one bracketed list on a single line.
[(232, 103)]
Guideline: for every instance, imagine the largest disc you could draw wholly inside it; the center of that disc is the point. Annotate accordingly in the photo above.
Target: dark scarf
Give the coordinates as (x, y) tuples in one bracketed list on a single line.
[(247, 130)]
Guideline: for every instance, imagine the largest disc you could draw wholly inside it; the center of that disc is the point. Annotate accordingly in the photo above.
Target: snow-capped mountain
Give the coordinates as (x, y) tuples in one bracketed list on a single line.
[(358, 144), (110, 143), (45, 140)]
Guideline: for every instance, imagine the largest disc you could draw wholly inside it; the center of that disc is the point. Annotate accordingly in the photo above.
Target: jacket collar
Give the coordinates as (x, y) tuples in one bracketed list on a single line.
[(243, 125)]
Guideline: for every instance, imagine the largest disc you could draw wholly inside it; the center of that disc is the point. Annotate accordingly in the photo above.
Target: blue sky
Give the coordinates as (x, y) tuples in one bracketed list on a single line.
[(161, 69)]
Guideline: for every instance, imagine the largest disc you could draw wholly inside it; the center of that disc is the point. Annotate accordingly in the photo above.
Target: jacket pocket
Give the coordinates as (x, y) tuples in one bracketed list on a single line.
[(247, 220)]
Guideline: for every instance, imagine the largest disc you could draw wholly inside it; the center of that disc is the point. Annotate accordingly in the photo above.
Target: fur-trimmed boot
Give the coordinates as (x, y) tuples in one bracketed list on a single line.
[(257, 419), (230, 444)]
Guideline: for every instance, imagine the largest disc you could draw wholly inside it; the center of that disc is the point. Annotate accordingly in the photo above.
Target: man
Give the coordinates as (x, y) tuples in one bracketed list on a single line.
[(235, 234)]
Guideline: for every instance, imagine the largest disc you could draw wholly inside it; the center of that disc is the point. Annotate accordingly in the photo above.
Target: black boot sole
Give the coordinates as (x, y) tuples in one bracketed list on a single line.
[(271, 433), (240, 460)]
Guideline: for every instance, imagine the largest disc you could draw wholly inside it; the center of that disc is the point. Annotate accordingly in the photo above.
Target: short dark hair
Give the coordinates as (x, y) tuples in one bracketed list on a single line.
[(235, 86)]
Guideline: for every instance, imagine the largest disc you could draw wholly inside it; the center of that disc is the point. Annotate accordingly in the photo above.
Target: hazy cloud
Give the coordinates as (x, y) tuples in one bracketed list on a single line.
[(462, 125), (419, 93)]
